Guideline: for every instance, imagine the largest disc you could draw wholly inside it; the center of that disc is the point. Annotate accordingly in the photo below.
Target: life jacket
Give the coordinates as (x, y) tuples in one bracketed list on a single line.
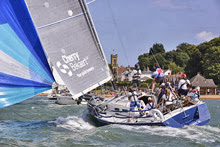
[(151, 104), (159, 71), (133, 95), (184, 83), (196, 91)]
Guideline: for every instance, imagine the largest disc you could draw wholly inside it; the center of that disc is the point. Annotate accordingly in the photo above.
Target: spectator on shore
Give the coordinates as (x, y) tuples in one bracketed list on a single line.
[(136, 76), (208, 91)]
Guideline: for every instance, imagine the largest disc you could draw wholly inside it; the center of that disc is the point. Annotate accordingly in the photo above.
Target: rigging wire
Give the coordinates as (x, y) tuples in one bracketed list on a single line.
[(155, 58), (114, 21), (90, 2)]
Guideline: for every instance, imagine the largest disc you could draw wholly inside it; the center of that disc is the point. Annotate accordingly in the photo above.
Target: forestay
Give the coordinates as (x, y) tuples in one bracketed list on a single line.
[(68, 36), (24, 70)]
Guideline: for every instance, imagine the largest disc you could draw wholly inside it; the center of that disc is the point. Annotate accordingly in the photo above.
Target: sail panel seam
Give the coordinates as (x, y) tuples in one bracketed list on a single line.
[(60, 21)]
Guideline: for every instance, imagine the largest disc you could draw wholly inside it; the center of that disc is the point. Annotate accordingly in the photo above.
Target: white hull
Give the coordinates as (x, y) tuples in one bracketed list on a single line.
[(65, 100), (69, 100), (51, 97)]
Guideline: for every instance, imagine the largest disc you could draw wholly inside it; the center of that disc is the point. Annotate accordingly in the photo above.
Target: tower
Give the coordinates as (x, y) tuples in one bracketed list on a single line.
[(114, 61)]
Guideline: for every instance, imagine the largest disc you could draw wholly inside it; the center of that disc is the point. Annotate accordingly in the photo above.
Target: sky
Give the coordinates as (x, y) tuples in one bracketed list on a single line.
[(129, 28)]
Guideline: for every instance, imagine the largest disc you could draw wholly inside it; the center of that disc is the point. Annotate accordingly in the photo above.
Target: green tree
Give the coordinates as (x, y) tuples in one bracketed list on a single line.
[(148, 61), (203, 58), (144, 60), (206, 45), (170, 56), (182, 59), (144, 63), (158, 58), (194, 64), (175, 68), (211, 64), (183, 47), (203, 47), (157, 48)]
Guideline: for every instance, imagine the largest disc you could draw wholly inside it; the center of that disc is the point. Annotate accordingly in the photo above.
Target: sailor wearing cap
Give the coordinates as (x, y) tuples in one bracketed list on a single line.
[(182, 86)]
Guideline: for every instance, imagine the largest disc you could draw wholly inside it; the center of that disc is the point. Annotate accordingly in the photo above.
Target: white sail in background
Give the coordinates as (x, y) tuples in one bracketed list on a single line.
[(70, 41)]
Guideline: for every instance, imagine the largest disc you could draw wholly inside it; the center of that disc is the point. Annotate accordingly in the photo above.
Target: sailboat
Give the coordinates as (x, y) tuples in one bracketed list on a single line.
[(33, 32), (172, 113)]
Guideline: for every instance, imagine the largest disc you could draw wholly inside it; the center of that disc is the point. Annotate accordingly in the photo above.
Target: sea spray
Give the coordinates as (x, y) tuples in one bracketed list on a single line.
[(73, 123), (199, 134)]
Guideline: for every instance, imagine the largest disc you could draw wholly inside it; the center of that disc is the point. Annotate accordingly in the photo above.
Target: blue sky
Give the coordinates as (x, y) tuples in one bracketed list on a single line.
[(130, 27)]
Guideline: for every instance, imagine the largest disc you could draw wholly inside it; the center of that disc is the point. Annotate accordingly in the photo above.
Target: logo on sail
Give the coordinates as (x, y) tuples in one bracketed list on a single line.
[(73, 63), (64, 68)]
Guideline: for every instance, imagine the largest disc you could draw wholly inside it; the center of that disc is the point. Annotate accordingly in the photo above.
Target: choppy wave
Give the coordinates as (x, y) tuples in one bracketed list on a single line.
[(198, 134), (40, 122), (73, 123)]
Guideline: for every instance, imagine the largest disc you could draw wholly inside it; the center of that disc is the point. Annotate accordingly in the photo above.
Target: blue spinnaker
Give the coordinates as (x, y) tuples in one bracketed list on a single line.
[(24, 69)]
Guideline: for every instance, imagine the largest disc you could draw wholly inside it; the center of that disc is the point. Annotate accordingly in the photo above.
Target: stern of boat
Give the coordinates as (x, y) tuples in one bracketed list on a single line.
[(197, 115)]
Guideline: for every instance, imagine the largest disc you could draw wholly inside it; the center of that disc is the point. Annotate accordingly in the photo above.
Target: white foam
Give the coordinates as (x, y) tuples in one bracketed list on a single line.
[(211, 129), (194, 133), (73, 123), (54, 105)]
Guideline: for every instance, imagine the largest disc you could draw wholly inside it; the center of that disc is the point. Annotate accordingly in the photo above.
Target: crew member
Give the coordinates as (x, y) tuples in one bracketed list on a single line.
[(182, 86), (158, 76), (132, 96)]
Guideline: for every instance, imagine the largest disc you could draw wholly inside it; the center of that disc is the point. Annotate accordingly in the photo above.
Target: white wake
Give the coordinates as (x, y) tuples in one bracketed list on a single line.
[(73, 123), (197, 134)]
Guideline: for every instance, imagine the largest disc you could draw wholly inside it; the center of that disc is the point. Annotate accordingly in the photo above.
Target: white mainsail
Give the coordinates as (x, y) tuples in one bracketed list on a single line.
[(67, 34)]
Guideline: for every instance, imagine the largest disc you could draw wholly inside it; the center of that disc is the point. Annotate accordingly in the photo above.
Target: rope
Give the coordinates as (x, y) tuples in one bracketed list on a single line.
[(179, 100), (155, 58), (90, 2), (114, 21)]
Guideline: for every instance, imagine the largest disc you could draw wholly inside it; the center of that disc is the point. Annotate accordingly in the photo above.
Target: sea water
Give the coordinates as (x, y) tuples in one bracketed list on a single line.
[(40, 122)]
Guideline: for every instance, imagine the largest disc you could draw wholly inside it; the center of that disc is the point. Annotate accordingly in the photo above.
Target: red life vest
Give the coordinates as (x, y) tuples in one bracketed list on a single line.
[(159, 70)]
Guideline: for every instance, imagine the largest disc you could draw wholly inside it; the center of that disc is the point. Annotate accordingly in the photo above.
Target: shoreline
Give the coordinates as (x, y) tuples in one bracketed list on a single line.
[(210, 97), (202, 97)]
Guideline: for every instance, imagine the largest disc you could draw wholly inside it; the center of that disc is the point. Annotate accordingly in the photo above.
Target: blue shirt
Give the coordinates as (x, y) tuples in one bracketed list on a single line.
[(158, 73)]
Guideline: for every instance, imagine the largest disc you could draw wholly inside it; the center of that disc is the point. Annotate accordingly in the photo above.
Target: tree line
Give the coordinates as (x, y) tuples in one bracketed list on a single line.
[(188, 58)]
